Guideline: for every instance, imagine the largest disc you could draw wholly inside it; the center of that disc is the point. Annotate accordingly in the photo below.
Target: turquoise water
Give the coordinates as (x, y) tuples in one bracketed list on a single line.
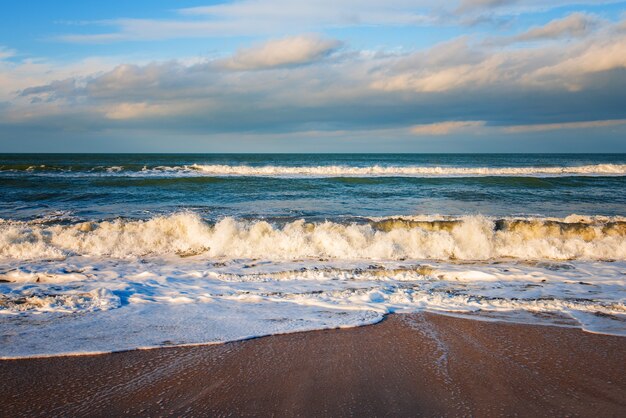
[(93, 187)]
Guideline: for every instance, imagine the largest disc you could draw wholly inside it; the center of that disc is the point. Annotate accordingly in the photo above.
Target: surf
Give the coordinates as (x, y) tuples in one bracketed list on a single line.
[(185, 234)]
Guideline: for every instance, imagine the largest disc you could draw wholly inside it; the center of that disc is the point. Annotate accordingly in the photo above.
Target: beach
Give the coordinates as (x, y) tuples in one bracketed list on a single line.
[(418, 364)]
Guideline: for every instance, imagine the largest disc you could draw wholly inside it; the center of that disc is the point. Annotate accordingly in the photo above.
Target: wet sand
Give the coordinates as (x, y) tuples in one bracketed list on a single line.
[(408, 365)]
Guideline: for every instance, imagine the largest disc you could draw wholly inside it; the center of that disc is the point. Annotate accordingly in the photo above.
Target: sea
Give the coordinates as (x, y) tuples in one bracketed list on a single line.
[(110, 252)]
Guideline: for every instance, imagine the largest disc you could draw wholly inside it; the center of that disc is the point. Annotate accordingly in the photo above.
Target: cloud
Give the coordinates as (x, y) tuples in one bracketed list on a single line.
[(569, 74), (93, 38), (469, 5), (282, 17), (457, 86), (565, 125), (461, 64), (596, 56), (296, 50), (25, 73), (573, 25), (321, 12), (449, 66), (261, 17), (517, 7), (445, 128), (123, 111), (6, 53)]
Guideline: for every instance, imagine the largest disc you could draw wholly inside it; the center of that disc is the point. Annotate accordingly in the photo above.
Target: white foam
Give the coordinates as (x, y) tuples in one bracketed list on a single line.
[(32, 299), (410, 171), (321, 171), (122, 304), (468, 238)]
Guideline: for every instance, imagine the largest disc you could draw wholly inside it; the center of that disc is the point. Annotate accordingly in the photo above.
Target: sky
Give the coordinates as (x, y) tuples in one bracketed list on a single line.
[(313, 76)]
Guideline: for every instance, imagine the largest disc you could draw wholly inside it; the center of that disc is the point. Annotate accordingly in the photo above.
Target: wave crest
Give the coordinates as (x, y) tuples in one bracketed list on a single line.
[(322, 170), (410, 171), (186, 234)]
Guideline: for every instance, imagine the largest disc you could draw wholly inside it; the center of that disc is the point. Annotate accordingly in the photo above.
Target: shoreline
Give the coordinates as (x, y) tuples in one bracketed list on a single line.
[(404, 365), (484, 316)]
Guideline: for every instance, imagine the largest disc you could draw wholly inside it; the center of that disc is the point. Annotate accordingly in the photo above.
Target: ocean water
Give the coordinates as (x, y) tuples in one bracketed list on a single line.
[(111, 252)]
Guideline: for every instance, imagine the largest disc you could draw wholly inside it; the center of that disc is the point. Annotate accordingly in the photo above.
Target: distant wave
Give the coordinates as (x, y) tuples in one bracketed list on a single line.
[(186, 234), (408, 171), (327, 170)]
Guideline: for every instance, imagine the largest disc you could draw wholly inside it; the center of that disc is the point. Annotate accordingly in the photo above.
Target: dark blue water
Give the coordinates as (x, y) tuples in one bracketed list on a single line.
[(69, 188)]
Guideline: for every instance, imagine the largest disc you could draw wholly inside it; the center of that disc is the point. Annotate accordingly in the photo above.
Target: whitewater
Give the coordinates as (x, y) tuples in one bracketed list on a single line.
[(468, 238), (326, 170), (186, 281), (377, 170)]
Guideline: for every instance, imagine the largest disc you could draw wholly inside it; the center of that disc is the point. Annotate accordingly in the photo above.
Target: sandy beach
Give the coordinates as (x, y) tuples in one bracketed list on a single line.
[(408, 365)]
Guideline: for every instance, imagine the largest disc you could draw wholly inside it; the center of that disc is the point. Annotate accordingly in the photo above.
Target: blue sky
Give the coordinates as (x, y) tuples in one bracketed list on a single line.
[(294, 75)]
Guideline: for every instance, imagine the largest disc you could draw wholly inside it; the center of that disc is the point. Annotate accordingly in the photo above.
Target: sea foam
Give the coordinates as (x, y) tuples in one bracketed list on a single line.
[(411, 171), (186, 234), (170, 300), (606, 169)]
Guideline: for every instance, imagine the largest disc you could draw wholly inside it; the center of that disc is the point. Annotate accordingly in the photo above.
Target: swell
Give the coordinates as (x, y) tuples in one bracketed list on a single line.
[(186, 234)]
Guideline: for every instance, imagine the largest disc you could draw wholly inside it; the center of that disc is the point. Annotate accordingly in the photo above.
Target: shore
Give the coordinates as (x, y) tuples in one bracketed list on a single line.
[(408, 365)]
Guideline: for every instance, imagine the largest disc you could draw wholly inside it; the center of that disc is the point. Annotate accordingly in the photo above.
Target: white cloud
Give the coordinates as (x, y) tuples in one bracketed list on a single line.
[(573, 25), (289, 51), (135, 110), (282, 17), (445, 128), (262, 17), (599, 55), (463, 65), (320, 12), (470, 86), (6, 53)]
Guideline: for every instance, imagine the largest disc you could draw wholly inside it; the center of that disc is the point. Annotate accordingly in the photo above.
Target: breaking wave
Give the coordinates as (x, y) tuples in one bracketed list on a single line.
[(322, 170), (187, 234), (410, 171)]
